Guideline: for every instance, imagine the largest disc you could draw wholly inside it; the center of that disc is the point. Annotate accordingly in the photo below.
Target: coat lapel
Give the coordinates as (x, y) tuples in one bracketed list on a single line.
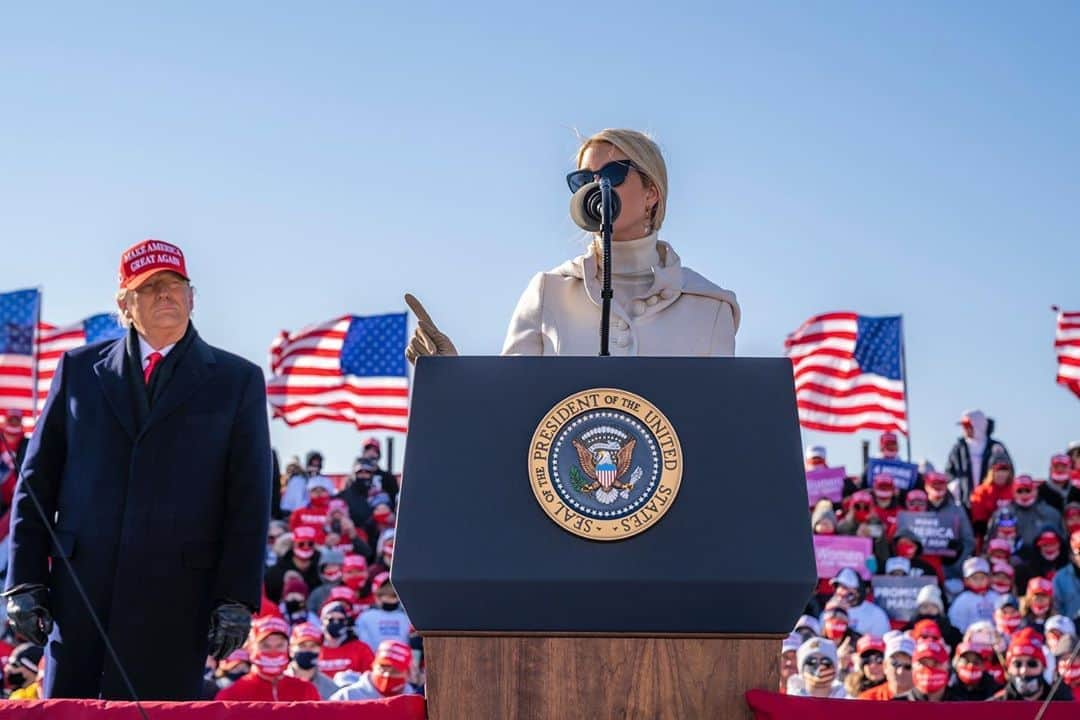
[(194, 368), (110, 373)]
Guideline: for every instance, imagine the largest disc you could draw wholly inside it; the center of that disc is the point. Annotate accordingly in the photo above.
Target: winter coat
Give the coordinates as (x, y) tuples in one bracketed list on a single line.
[(1067, 590), (1031, 520), (682, 314), (254, 688), (160, 498), (275, 576), (959, 466), (952, 515), (982, 690)]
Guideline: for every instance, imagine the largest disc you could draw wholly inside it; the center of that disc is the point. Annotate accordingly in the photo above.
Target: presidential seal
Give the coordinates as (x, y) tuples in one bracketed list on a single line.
[(605, 464)]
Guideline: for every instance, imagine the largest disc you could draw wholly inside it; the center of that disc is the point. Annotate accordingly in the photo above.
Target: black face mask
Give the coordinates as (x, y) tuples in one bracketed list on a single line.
[(294, 606), (235, 675), (306, 659), (337, 629), (15, 680), (390, 606)]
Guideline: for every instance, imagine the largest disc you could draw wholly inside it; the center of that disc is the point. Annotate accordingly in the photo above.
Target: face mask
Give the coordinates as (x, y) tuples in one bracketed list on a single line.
[(975, 588), (354, 581), (1050, 553), (306, 659), (331, 576), (292, 607), (929, 680), (336, 629), (390, 606), (906, 551), (835, 628), (388, 685), (969, 675), (270, 664), (15, 680), (1026, 499), (1040, 606), (1006, 624), (320, 502), (304, 553), (1001, 587), (1027, 686)]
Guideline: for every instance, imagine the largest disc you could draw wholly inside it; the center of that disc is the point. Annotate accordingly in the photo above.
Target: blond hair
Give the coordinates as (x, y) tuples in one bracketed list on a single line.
[(641, 150)]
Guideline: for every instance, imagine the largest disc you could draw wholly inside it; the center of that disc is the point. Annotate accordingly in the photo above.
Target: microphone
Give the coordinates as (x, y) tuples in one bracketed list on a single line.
[(585, 207)]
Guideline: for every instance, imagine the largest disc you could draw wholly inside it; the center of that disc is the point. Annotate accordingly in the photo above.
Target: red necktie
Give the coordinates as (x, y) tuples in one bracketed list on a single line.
[(151, 362)]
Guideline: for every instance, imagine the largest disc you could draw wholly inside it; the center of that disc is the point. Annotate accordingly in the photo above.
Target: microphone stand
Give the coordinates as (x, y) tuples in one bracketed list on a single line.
[(605, 243)]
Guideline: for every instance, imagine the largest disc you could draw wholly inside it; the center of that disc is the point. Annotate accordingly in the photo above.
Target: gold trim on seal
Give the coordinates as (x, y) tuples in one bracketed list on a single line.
[(668, 448)]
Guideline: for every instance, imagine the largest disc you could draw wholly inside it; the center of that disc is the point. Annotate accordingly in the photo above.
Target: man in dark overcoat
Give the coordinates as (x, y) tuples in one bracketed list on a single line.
[(151, 463)]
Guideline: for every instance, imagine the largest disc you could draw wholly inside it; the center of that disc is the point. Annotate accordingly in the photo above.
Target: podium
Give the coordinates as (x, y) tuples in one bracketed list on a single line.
[(602, 537)]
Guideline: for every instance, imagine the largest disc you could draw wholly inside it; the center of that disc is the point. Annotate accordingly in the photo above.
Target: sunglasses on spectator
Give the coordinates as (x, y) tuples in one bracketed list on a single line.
[(1030, 663), (1023, 491), (899, 665), (305, 545), (860, 507), (615, 172), (873, 658), (816, 662)]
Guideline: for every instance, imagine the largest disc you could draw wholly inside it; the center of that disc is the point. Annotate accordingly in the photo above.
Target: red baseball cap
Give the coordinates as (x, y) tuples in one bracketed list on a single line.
[(148, 257), (304, 532), (342, 593), (1028, 645), (1024, 480), (935, 478), (305, 632), (1040, 586), (355, 562), (381, 579), (926, 628), (1049, 537), (264, 627), (999, 566), (869, 643), (931, 650), (394, 653), (1000, 545)]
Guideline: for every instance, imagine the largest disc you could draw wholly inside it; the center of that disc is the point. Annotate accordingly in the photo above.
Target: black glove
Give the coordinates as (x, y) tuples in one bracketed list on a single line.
[(28, 613), (230, 624)]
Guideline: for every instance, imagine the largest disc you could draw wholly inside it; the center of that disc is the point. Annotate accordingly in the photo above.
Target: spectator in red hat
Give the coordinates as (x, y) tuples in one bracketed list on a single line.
[(993, 492), (1032, 514), (886, 502), (999, 550), (941, 502), (859, 520), (294, 596), (358, 491), (1025, 664), (899, 649), (971, 681), (930, 608), (1043, 558), (815, 458), (341, 650), (906, 544), (13, 444), (358, 576), (1066, 581), (1037, 605), (305, 642), (1056, 490), (1007, 617), (270, 656), (916, 500), (314, 514), (341, 533), (303, 558), (386, 620), (384, 553), (387, 677), (930, 673), (232, 668), (1071, 513), (972, 454), (869, 666)]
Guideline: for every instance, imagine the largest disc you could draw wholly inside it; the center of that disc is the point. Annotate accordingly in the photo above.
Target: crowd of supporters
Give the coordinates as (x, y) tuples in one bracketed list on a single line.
[(997, 617)]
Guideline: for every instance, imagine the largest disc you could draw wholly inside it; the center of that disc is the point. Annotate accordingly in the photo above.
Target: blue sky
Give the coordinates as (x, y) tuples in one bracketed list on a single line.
[(320, 159)]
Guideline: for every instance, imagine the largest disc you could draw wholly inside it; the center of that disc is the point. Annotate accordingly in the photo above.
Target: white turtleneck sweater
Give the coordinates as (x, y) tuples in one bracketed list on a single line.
[(632, 263)]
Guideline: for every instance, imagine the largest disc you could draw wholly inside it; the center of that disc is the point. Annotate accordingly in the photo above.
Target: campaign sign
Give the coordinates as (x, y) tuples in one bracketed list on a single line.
[(833, 553), (896, 594), (933, 532), (825, 483), (903, 474)]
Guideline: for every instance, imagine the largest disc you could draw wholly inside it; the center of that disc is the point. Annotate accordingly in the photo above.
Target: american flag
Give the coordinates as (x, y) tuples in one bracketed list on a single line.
[(54, 341), (351, 369), (1067, 343), (19, 312), (849, 373)]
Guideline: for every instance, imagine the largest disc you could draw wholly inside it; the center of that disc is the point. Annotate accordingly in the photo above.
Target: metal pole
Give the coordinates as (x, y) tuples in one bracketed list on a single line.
[(903, 375), (390, 455)]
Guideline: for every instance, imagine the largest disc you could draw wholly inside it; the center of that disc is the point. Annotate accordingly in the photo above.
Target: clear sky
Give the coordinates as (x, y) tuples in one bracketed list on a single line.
[(314, 159)]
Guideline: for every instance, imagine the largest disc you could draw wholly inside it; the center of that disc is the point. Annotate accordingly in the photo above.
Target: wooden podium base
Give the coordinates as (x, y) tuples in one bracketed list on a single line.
[(535, 678)]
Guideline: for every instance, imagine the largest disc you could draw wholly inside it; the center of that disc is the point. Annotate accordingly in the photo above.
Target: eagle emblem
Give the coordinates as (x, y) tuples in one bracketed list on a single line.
[(605, 463)]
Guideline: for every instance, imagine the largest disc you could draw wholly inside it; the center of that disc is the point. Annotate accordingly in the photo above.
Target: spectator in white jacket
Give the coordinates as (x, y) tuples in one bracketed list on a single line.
[(977, 601), (864, 617)]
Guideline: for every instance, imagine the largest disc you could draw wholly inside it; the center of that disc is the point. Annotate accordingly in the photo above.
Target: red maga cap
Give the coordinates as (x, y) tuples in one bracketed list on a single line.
[(264, 627), (148, 257), (305, 632), (394, 653)]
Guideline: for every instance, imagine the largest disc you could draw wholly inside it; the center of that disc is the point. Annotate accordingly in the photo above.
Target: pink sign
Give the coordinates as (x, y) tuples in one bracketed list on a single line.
[(825, 483), (836, 552)]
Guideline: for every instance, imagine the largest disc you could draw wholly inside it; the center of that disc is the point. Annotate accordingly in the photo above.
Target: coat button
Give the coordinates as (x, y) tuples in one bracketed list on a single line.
[(638, 307), (667, 294), (652, 300)]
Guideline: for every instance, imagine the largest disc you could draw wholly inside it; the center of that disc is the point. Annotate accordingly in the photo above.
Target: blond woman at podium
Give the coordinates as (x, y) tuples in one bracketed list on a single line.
[(660, 308)]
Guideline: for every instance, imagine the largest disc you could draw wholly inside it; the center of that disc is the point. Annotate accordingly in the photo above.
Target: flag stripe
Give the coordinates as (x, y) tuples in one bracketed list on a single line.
[(1067, 343)]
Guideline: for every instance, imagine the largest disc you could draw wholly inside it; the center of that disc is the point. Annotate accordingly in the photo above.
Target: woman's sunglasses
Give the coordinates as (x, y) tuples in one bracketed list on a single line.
[(1030, 663), (615, 172)]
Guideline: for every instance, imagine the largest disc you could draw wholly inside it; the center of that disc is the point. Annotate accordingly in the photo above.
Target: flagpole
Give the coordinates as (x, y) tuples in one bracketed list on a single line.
[(35, 357), (903, 374)]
